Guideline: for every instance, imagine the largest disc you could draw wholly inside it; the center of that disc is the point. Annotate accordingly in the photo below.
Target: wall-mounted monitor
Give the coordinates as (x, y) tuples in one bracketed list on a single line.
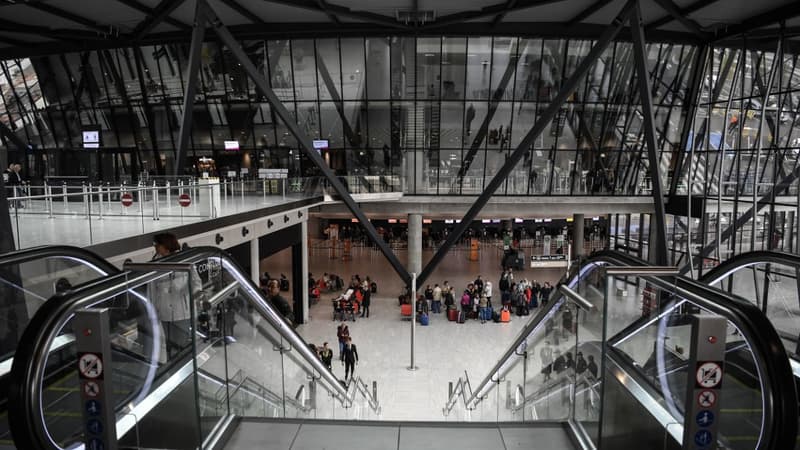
[(91, 138), (320, 145), (231, 146)]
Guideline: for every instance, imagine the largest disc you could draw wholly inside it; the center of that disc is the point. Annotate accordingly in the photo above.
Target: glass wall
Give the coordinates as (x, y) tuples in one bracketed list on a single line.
[(444, 112)]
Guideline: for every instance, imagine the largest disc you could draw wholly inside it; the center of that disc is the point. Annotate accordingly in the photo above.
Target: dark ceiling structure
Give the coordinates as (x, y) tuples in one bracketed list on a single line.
[(39, 27)]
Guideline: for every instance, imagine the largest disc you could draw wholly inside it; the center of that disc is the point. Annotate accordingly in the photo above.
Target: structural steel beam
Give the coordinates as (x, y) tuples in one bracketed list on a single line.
[(487, 11), (690, 109), (646, 96), (687, 23), (195, 48), (586, 13), (770, 17), (480, 135), (303, 141), (72, 17), (499, 17), (355, 141), (696, 6), (249, 15), (784, 184), (342, 11), (134, 4), (160, 13), (547, 116), (324, 7)]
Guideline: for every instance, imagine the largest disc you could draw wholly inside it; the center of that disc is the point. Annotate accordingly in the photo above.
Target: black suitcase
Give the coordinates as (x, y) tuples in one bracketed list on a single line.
[(522, 310), (373, 287)]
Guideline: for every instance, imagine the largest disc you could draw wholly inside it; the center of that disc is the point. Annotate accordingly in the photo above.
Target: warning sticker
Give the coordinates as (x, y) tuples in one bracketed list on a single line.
[(708, 375), (707, 398), (90, 365)]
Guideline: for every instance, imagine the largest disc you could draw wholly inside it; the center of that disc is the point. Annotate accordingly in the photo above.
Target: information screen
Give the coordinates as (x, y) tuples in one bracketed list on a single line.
[(320, 145), (231, 145), (91, 139)]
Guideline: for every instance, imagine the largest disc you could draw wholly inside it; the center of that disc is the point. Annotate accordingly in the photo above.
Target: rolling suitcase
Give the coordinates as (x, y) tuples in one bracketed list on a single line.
[(452, 315), (461, 317)]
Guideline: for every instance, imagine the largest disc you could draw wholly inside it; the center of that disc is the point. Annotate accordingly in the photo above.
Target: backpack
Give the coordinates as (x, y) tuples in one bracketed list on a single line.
[(466, 300), (373, 287)]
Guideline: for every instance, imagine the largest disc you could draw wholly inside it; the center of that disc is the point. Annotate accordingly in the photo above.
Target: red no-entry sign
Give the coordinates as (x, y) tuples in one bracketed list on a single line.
[(126, 199), (184, 200)]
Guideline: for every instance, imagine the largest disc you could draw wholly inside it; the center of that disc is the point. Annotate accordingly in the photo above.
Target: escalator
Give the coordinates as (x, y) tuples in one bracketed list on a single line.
[(239, 358), (632, 334), (771, 281), (243, 366), (27, 279)]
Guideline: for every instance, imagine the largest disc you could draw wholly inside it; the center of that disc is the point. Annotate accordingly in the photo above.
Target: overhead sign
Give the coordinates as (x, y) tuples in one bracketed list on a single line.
[(91, 139), (231, 145), (273, 173)]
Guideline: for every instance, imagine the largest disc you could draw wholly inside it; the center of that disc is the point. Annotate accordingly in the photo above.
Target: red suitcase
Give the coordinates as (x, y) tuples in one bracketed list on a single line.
[(452, 315)]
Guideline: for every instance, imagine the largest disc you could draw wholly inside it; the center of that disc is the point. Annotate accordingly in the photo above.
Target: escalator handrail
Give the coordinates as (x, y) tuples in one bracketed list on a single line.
[(26, 422), (30, 254), (778, 393), (748, 259)]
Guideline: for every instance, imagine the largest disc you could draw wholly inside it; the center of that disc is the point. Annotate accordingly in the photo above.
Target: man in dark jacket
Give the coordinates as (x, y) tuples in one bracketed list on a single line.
[(278, 302), (326, 355), (365, 302), (350, 358)]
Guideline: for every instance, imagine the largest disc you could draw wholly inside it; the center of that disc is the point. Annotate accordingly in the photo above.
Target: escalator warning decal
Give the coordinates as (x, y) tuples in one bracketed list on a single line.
[(91, 389), (709, 375), (707, 398), (90, 365)]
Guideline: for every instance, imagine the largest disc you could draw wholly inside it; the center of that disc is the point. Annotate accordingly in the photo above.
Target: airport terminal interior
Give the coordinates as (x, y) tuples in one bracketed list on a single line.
[(399, 224)]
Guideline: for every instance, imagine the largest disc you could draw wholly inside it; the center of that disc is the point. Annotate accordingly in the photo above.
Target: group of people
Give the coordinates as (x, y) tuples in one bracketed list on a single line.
[(348, 353), (558, 362), (356, 300)]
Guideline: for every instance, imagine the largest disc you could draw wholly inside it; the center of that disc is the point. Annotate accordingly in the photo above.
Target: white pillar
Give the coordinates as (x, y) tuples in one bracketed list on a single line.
[(304, 264), (415, 243)]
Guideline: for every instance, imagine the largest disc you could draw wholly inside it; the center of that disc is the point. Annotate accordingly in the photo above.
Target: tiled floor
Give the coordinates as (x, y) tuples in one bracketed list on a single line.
[(444, 350)]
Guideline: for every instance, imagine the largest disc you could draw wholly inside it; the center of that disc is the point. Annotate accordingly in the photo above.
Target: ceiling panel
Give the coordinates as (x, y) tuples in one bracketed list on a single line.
[(556, 12), (101, 11), (272, 12)]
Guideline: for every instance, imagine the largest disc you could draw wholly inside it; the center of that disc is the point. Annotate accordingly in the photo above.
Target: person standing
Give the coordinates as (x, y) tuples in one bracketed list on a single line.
[(326, 355), (172, 296), (365, 301), (278, 302), (478, 283), (350, 358), (342, 334), (487, 291), (429, 296), (437, 299), (546, 354)]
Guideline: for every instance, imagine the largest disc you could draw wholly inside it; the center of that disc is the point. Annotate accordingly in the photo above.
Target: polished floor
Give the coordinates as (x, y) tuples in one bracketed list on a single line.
[(407, 436), (444, 350)]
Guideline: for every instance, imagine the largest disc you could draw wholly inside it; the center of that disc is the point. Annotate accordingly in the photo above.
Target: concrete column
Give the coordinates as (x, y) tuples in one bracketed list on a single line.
[(415, 243), (578, 224), (304, 264), (255, 261)]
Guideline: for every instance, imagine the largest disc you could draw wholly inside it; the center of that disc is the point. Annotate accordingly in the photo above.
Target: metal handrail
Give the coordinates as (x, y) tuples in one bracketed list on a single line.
[(25, 395), (778, 389)]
